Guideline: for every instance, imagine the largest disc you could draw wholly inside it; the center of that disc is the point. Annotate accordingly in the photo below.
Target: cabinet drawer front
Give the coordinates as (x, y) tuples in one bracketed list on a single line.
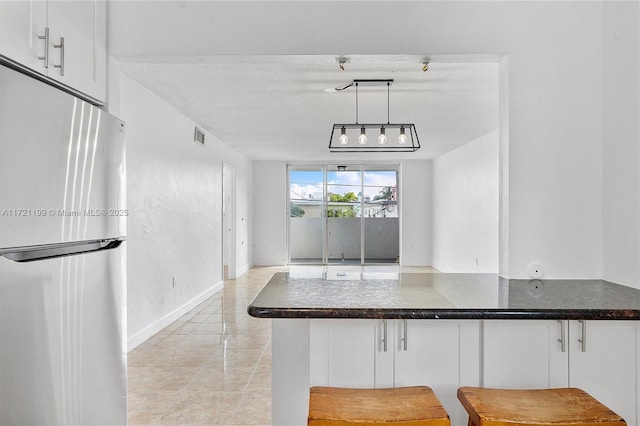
[(524, 354), (607, 366), (350, 353)]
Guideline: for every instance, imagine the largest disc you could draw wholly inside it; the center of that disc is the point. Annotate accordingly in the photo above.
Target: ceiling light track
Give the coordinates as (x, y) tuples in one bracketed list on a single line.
[(360, 82)]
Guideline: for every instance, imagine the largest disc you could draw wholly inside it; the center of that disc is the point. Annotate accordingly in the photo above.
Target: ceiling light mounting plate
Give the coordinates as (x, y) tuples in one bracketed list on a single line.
[(361, 82), (373, 82)]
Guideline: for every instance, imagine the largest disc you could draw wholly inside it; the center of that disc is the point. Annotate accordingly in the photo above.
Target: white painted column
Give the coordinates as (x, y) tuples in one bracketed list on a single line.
[(290, 372)]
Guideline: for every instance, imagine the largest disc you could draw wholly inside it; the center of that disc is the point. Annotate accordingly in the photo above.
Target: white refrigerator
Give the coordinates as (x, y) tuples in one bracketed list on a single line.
[(62, 258)]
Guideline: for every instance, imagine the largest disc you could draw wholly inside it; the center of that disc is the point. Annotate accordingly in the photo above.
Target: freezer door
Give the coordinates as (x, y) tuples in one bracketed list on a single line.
[(63, 351), (61, 166)]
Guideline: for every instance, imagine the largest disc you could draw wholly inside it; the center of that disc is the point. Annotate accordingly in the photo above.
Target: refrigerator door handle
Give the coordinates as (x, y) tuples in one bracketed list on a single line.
[(50, 251)]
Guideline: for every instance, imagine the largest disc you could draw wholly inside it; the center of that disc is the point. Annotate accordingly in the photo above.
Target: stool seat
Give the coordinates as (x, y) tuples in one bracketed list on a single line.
[(535, 407), (409, 406)]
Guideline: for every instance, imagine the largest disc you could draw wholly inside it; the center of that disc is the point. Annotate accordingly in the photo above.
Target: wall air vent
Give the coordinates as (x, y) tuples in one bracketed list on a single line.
[(198, 136)]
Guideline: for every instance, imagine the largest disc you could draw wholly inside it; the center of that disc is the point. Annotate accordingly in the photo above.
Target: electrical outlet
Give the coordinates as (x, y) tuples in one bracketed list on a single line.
[(535, 270)]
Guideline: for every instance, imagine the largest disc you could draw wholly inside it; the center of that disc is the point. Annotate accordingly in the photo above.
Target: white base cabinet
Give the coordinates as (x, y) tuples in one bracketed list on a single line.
[(608, 365), (524, 354), (369, 354), (446, 354), (351, 353), (600, 357), (443, 355)]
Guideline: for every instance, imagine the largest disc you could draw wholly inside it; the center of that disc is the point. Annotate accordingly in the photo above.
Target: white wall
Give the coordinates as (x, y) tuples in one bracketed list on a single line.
[(562, 58), (270, 212), (503, 134), (555, 124), (243, 208), (555, 83), (416, 207), (621, 139), (465, 207), (174, 196)]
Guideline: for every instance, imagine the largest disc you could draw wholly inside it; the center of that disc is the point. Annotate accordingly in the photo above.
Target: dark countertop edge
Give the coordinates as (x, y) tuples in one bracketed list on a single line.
[(460, 313)]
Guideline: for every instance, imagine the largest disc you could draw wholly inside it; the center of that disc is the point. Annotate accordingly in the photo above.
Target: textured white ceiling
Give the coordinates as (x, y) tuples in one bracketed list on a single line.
[(274, 107), (253, 73)]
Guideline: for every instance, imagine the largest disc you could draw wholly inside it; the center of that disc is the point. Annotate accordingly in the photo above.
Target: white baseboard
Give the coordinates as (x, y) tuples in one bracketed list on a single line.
[(242, 269), (149, 331)]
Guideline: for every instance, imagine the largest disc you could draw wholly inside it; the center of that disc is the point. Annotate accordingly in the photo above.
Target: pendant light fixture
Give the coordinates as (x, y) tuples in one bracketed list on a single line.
[(344, 139), (392, 137), (402, 138), (362, 139), (382, 139)]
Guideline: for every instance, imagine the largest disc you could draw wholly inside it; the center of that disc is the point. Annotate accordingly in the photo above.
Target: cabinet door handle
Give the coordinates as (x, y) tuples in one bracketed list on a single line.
[(61, 47), (384, 335), (45, 57), (562, 339), (584, 335), (404, 334)]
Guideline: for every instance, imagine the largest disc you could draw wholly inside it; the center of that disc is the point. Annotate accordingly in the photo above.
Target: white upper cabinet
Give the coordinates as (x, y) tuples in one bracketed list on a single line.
[(77, 45), (64, 40), (22, 23)]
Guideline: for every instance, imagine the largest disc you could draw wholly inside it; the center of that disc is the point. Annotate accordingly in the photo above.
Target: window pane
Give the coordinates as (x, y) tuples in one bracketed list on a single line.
[(344, 194), (381, 193), (305, 193), (305, 215), (329, 208), (343, 216), (381, 223)]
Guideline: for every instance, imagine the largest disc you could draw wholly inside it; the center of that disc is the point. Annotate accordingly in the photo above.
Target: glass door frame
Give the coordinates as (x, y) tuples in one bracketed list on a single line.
[(317, 167), (335, 168), (372, 168), (362, 169)]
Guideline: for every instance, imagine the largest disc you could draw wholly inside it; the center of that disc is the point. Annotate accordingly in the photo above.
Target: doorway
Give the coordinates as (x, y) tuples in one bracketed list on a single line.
[(343, 214), (228, 221)]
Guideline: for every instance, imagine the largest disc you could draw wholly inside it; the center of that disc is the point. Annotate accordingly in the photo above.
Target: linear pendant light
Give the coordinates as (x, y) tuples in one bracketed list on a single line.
[(388, 137)]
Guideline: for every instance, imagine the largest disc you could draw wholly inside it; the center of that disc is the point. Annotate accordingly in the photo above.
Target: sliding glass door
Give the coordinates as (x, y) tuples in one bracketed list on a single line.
[(380, 216), (306, 215), (345, 214), (344, 206)]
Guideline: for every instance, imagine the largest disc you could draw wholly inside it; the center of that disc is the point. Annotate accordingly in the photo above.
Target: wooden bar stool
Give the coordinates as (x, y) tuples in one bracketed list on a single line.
[(536, 407), (408, 406)]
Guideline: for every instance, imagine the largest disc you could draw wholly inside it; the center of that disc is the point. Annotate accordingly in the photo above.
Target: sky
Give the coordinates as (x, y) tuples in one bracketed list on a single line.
[(303, 183)]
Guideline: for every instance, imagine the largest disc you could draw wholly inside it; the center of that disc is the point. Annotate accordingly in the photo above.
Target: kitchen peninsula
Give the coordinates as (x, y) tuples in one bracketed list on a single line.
[(447, 330)]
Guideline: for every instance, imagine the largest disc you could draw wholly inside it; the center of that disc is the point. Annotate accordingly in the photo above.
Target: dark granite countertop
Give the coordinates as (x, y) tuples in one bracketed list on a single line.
[(442, 296)]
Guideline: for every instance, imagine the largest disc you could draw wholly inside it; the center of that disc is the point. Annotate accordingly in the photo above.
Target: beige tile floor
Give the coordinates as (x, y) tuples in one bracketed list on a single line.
[(210, 367), (213, 365)]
